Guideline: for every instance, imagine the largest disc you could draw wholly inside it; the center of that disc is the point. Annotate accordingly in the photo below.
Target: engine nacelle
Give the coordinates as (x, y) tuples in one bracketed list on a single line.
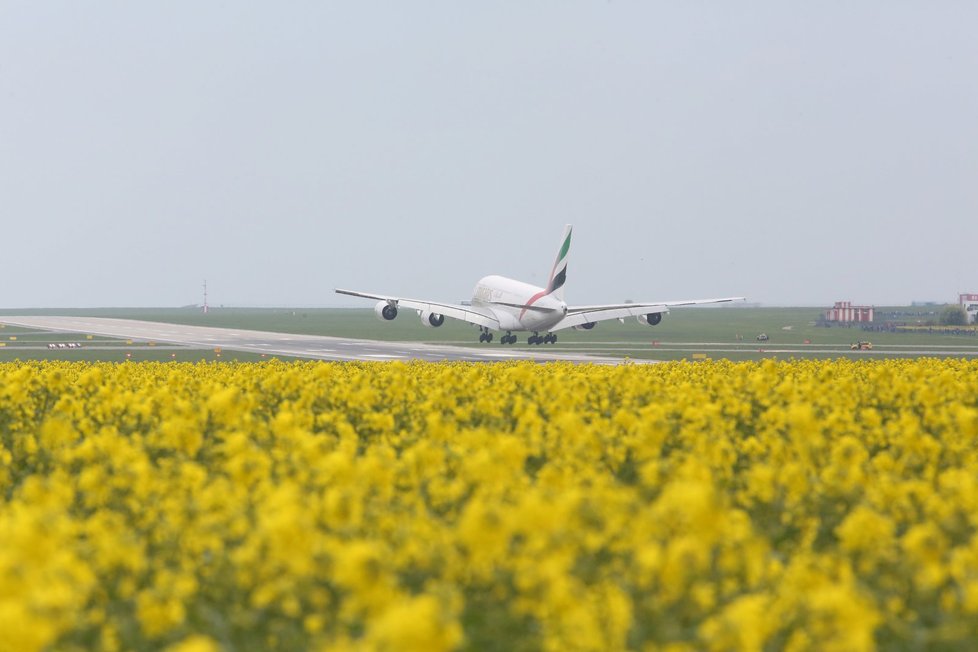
[(385, 311), (431, 319), (586, 327), (651, 319)]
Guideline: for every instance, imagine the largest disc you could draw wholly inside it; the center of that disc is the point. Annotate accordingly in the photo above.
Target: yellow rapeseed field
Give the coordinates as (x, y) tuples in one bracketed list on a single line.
[(718, 506)]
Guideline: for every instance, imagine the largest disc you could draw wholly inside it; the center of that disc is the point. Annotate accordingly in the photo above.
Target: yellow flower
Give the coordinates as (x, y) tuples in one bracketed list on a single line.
[(195, 643), (416, 624), (804, 505)]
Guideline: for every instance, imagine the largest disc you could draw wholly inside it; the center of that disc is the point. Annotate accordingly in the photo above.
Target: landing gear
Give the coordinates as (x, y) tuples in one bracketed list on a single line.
[(536, 338), (508, 338), (485, 335)]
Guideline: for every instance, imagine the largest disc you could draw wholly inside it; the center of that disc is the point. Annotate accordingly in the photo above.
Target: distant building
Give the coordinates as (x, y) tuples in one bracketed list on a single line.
[(844, 311), (969, 302)]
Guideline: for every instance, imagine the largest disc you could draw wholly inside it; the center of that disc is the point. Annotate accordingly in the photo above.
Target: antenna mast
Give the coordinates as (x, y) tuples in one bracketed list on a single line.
[(205, 297)]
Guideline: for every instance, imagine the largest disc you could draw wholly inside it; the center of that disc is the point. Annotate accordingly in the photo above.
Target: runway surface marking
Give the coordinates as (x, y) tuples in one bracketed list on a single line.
[(320, 347)]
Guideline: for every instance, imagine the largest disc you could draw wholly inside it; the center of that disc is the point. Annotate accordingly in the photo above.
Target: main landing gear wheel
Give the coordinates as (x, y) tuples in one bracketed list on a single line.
[(485, 336), (508, 338), (536, 338)]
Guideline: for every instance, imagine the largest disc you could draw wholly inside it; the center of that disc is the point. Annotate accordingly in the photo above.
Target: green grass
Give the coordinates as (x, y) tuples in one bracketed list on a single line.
[(711, 331), (32, 345), (145, 355)]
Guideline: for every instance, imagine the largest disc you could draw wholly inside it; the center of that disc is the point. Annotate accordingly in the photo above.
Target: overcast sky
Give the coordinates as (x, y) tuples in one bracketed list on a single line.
[(794, 152)]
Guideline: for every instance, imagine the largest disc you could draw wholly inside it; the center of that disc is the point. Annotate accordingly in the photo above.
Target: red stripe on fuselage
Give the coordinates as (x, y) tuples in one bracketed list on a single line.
[(533, 299), (542, 293)]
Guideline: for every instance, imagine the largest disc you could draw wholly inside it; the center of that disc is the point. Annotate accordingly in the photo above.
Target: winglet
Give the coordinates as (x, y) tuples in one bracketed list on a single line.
[(558, 275)]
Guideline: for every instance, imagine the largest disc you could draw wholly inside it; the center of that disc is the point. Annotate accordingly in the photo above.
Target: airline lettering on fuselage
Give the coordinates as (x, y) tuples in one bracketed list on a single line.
[(482, 293), (508, 300)]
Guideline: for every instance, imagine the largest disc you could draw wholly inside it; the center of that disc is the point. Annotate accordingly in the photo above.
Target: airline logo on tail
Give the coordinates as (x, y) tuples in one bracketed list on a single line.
[(558, 275)]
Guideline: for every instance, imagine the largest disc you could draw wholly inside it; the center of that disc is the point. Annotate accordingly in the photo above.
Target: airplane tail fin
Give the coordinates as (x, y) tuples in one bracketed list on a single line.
[(558, 275)]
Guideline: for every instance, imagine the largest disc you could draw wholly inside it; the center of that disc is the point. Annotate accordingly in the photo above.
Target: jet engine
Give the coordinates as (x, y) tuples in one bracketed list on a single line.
[(431, 319), (385, 311), (586, 326), (651, 319)]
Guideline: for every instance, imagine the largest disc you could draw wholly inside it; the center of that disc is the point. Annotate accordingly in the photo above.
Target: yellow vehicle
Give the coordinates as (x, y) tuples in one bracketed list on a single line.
[(861, 346)]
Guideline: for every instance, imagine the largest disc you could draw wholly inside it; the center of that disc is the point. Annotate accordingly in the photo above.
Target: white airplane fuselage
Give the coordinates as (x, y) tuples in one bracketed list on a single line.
[(518, 306)]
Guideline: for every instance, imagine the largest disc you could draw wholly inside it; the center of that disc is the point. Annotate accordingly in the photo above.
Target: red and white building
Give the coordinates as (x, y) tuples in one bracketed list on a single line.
[(844, 311), (969, 302)]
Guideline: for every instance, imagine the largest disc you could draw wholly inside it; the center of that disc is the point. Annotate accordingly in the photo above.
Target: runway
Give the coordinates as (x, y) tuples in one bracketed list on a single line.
[(316, 347)]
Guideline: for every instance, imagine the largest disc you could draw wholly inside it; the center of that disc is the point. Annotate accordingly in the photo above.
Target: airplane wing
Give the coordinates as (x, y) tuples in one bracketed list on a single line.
[(580, 315), (470, 314)]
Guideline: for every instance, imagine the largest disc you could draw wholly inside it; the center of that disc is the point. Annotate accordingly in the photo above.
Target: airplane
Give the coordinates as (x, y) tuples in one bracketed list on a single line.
[(504, 304)]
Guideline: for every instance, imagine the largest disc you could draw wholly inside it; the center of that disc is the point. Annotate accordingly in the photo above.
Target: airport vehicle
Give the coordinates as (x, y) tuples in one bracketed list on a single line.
[(503, 304), (763, 337), (861, 346)]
